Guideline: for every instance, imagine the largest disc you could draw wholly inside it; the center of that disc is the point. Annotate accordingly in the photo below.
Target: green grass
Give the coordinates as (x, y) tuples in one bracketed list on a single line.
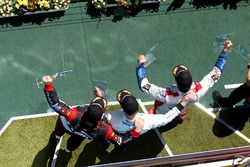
[(27, 142), (199, 132)]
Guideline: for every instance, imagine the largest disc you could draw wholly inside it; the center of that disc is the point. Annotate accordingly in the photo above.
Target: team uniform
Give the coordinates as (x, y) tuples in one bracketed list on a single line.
[(121, 124), (78, 121), (168, 97)]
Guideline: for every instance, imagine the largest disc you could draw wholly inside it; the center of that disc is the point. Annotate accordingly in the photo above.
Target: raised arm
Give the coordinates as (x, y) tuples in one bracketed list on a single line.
[(143, 83), (222, 58), (212, 77), (52, 97), (71, 114), (141, 73)]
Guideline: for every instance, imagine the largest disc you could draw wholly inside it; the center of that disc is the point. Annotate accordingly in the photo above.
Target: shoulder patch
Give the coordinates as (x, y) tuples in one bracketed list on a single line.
[(162, 93), (147, 87), (216, 76)]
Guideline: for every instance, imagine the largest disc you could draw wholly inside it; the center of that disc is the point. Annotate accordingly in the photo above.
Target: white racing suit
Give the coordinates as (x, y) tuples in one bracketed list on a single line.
[(166, 98), (121, 124)]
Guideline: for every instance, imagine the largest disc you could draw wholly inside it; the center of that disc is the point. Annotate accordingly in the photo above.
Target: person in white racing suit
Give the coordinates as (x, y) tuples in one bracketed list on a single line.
[(122, 126), (166, 98)]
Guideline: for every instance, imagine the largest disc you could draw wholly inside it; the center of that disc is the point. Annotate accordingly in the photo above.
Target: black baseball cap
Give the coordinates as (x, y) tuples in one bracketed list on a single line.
[(182, 77), (128, 102), (96, 109)]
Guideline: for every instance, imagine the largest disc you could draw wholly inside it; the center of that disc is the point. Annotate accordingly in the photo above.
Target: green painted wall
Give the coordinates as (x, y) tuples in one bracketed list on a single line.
[(107, 51)]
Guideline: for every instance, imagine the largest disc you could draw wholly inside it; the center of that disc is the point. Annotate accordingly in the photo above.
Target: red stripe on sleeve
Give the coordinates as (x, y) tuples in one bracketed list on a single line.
[(135, 134), (48, 87), (110, 133), (197, 87)]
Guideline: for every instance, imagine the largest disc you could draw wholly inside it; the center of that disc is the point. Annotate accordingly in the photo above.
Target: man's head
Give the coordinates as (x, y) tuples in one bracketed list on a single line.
[(95, 110), (182, 77), (128, 102)]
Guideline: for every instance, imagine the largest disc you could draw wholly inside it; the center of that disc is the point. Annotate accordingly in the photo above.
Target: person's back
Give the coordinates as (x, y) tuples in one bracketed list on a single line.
[(119, 121)]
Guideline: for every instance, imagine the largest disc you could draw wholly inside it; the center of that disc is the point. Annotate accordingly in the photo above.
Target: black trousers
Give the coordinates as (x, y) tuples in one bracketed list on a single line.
[(74, 141), (238, 94)]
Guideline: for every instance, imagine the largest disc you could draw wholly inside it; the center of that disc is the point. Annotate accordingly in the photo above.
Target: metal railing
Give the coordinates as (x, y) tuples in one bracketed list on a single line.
[(187, 159)]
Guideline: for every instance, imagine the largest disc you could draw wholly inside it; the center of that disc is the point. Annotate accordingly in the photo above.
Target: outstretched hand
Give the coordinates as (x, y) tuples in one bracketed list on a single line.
[(141, 59), (98, 92), (139, 123), (227, 45), (47, 79), (188, 98)]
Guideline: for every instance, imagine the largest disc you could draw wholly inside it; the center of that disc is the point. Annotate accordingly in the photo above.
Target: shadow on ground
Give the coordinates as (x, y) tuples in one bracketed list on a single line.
[(175, 5), (227, 4), (119, 12), (235, 118), (170, 125), (63, 158), (45, 156), (95, 152), (33, 18)]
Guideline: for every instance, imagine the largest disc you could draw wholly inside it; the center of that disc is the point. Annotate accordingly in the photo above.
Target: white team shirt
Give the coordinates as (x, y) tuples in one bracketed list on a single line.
[(170, 96), (121, 124)]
